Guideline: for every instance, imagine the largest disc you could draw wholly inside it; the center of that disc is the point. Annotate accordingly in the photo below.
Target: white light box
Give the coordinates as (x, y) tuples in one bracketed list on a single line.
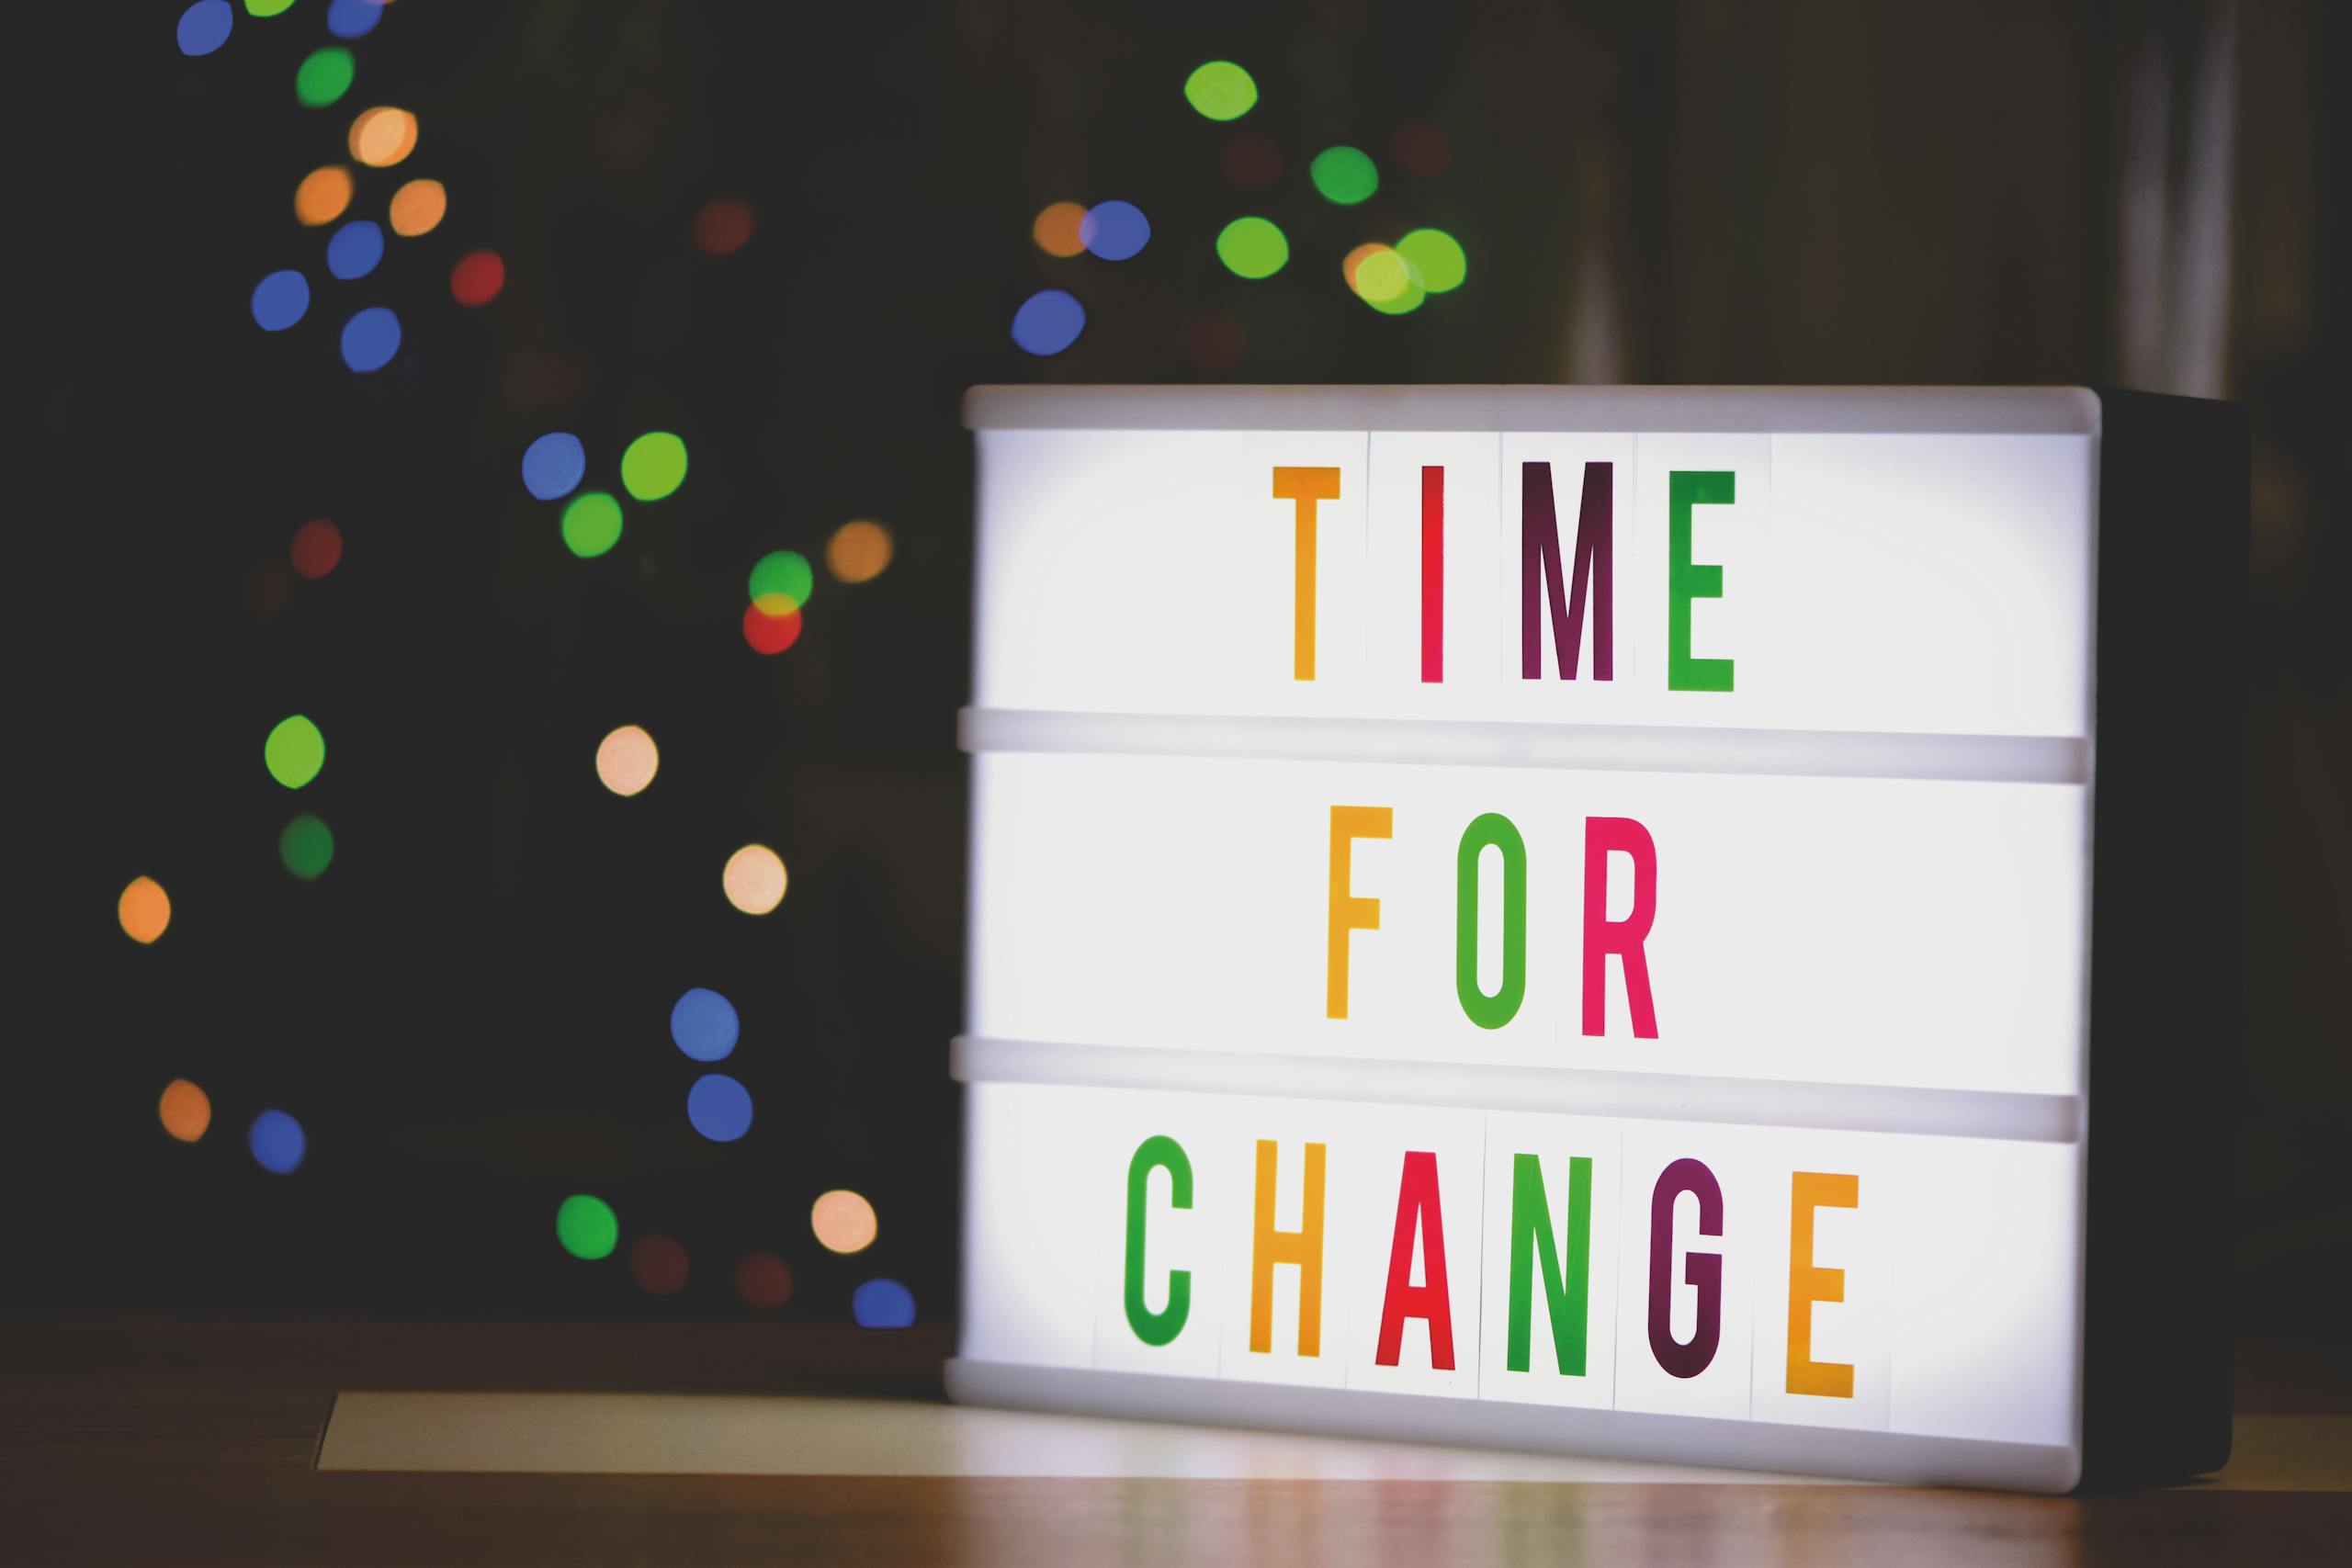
[(1681, 923)]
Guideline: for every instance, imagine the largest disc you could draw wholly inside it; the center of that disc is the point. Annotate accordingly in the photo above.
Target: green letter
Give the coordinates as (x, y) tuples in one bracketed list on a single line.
[(1530, 1238), (1684, 581), (1485, 1012), (1157, 1153)]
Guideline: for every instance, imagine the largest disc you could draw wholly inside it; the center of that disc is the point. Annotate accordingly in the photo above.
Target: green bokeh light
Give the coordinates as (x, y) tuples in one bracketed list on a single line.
[(266, 7), (1436, 256), (592, 523), (1252, 247), (654, 465), (295, 752), (1221, 90), (324, 77), (782, 571), (587, 1227), (1389, 283), (1343, 174), (306, 846)]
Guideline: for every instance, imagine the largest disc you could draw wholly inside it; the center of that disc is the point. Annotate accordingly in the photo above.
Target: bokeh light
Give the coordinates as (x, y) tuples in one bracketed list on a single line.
[(144, 909), (204, 27), (269, 588), (592, 523), (276, 1142), (1220, 90), (587, 1227), (1436, 258), (1252, 247), (653, 466), (323, 194), (266, 7), (185, 1110), (316, 548), (883, 1304), (755, 879), (1388, 283), (554, 465), (418, 207), (354, 249), (658, 1264), (1250, 160), (763, 1282), (280, 299), (723, 226), (295, 752), (323, 78), (1356, 259), (719, 1108), (858, 551), (370, 339), (354, 18), (704, 1025), (843, 1222), (382, 136), (1055, 229), (1049, 321), (1343, 174), (1422, 150), (477, 277), (781, 581), (627, 759), (307, 848), (1114, 229), (769, 634), (1215, 341)]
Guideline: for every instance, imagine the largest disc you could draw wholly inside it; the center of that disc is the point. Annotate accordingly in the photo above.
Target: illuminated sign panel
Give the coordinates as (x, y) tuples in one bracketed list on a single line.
[(1574, 918)]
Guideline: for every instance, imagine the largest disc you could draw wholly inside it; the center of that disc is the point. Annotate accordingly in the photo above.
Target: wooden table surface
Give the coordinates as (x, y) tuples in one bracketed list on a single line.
[(166, 1441)]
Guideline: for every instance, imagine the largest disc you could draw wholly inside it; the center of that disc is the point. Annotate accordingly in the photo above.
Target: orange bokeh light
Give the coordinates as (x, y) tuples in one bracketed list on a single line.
[(1055, 229), (322, 196), (627, 759), (144, 910), (843, 1222), (382, 137), (755, 879), (858, 551), (1356, 259), (186, 1110), (418, 208)]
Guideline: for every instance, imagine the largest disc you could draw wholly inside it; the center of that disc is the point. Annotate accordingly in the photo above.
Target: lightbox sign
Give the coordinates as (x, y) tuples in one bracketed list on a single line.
[(1583, 918)]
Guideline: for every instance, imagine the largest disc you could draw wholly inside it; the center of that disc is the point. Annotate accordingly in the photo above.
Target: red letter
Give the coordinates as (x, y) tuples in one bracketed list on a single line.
[(1603, 936), (1432, 573), (1417, 1210)]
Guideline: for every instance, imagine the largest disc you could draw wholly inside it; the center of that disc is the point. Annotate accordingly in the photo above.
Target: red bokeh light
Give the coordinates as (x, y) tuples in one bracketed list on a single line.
[(722, 227), (1214, 341), (659, 1265), (270, 589), (316, 546), (1422, 149), (477, 279), (1251, 160), (763, 1280), (769, 634)]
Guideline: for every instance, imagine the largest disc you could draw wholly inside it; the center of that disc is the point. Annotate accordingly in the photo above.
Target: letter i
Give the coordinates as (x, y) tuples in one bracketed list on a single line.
[(1432, 573)]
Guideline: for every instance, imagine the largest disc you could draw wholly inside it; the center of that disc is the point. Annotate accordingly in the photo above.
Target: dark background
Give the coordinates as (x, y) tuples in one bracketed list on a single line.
[(468, 1011)]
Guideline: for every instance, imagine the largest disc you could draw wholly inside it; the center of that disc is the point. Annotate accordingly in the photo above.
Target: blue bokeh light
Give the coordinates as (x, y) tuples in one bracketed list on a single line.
[(354, 18), (719, 1108), (204, 27), (703, 1022), (1049, 321), (280, 299), (370, 339), (883, 1304), (354, 249), (1114, 230), (552, 468), (276, 1142)]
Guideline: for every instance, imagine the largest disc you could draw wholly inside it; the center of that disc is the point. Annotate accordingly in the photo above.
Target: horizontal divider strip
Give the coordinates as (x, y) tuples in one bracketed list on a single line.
[(1572, 1092), (1622, 747)]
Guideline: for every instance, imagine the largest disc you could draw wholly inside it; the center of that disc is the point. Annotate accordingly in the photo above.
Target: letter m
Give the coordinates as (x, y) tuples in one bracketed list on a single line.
[(1540, 574)]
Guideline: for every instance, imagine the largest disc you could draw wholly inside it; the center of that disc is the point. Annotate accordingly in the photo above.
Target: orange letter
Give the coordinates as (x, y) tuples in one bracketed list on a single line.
[(1303, 488), (1348, 913), (1809, 1190), (1303, 1247)]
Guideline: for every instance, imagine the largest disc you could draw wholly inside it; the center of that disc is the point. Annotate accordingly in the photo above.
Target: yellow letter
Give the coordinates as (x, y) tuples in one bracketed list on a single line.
[(1303, 1247), (1809, 1190), (1348, 913), (1303, 488)]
